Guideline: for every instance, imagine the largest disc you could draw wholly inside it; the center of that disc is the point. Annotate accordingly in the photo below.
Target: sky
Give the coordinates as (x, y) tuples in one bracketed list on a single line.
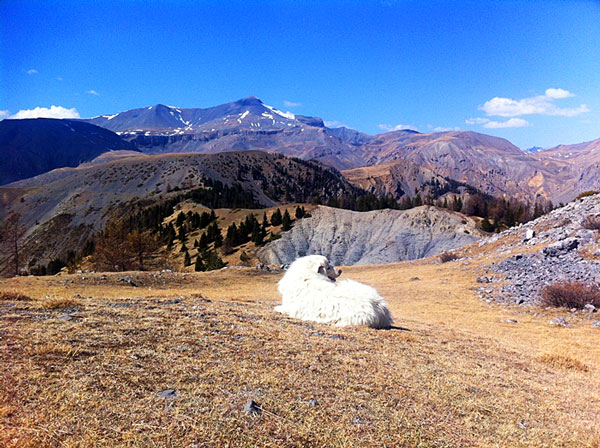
[(527, 71)]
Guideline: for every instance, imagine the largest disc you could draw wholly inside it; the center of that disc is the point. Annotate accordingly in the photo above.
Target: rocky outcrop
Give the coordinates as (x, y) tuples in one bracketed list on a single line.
[(567, 251), (381, 236)]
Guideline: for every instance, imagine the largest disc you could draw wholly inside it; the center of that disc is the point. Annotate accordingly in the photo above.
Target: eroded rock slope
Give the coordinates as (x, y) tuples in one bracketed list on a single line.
[(381, 236)]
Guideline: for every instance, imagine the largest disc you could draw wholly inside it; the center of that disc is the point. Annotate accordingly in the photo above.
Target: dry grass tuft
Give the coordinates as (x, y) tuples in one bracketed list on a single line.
[(563, 362), (55, 303), (571, 295), (14, 295)]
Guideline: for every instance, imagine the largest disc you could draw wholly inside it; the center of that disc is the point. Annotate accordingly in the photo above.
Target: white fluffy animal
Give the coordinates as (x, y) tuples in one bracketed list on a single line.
[(310, 292)]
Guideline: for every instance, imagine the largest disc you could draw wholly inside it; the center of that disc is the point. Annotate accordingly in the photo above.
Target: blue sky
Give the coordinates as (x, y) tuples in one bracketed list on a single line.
[(528, 71)]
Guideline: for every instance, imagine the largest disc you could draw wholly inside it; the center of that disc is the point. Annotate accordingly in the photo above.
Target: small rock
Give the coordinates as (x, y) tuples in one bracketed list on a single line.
[(510, 321), (359, 421), (414, 279), (560, 321), (167, 393), (529, 234), (252, 408), (66, 317), (483, 280), (589, 308), (313, 402), (596, 324)]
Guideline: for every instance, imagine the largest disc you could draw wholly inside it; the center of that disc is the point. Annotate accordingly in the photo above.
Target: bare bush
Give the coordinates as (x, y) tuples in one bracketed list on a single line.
[(448, 256), (591, 223), (571, 295)]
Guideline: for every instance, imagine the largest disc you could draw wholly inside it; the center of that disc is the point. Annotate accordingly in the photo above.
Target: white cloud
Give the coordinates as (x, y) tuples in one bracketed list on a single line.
[(445, 129), (511, 123), (4, 114), (44, 112), (334, 124), (398, 127), (32, 71), (59, 78), (541, 104), (558, 93), (93, 92), (487, 123), (287, 103)]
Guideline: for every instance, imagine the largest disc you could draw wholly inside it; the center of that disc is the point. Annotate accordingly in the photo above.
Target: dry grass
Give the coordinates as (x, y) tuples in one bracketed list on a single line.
[(563, 362), (54, 303), (14, 295), (450, 375)]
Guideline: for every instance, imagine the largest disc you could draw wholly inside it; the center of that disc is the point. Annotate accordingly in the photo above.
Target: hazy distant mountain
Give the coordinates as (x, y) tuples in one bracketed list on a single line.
[(246, 124), (492, 165), (33, 146)]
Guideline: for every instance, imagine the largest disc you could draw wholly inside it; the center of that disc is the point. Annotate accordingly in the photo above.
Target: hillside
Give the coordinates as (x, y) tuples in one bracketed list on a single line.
[(34, 146), (63, 208), (381, 236), (400, 179)]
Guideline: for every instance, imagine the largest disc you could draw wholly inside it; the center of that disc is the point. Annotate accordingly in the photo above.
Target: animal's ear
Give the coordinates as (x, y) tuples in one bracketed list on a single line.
[(322, 270)]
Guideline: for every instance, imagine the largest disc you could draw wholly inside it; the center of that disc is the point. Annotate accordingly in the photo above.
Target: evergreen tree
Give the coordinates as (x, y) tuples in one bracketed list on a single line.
[(227, 247), (276, 218), (187, 259), (203, 243), (486, 226), (182, 233), (199, 266), (180, 219), (183, 248), (300, 212), (286, 222), (218, 239), (212, 261)]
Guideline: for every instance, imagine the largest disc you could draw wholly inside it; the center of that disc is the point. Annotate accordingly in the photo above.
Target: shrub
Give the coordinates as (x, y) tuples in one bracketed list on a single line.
[(571, 295), (448, 256), (591, 223)]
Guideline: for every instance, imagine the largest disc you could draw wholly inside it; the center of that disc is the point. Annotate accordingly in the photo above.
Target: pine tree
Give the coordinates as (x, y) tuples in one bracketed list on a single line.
[(187, 259), (199, 266), (203, 243), (486, 226), (180, 219), (286, 221), (212, 261), (218, 238), (300, 212), (183, 248), (276, 218)]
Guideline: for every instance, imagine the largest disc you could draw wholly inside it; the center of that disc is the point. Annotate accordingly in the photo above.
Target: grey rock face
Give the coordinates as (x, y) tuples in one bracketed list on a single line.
[(561, 247), (561, 260), (377, 237)]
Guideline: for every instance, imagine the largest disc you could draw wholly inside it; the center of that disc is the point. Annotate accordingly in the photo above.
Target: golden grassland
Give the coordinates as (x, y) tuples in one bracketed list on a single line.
[(84, 359)]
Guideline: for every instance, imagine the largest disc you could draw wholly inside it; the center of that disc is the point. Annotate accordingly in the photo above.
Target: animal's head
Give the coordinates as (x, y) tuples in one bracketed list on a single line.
[(318, 264)]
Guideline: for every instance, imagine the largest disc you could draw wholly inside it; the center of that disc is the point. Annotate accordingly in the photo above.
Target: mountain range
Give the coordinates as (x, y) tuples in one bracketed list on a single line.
[(399, 162)]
